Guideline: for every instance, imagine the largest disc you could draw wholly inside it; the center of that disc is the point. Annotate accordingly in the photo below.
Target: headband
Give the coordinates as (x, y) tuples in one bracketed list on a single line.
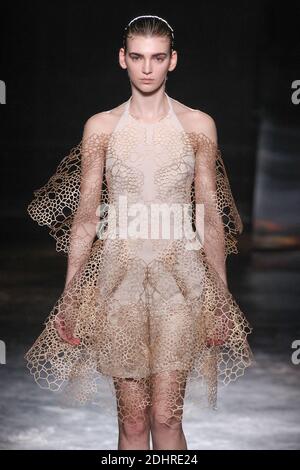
[(151, 16)]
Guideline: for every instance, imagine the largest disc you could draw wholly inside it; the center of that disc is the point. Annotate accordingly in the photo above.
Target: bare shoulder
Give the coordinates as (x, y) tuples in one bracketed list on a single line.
[(195, 120), (104, 121)]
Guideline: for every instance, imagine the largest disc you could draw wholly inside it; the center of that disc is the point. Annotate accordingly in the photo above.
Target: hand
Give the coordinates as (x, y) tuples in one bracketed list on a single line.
[(220, 333), (64, 334)]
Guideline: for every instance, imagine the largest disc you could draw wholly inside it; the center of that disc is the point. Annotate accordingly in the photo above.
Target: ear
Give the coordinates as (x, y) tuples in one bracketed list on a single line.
[(173, 63), (122, 60)]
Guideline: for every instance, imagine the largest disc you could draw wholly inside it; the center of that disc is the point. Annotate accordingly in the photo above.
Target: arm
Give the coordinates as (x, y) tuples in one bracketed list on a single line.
[(206, 193), (67, 204), (86, 218)]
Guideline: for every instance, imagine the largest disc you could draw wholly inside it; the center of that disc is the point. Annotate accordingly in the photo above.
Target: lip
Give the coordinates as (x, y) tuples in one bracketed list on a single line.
[(147, 80)]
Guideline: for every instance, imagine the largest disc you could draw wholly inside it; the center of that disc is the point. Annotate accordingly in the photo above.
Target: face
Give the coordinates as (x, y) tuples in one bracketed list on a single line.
[(147, 61)]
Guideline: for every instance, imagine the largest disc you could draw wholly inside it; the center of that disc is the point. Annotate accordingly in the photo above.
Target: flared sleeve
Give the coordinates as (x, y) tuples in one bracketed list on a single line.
[(222, 222), (69, 203)]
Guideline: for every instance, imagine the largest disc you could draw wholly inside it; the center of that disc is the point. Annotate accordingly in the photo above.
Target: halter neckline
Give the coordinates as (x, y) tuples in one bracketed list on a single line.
[(143, 123)]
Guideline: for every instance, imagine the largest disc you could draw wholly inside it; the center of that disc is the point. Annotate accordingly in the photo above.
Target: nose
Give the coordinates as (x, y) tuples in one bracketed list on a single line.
[(146, 67)]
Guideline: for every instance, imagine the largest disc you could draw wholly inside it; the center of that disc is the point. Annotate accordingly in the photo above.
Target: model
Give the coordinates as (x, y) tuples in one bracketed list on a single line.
[(143, 209)]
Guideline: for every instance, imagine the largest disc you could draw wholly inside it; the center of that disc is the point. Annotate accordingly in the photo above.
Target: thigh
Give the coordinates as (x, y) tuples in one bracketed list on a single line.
[(168, 392), (133, 399)]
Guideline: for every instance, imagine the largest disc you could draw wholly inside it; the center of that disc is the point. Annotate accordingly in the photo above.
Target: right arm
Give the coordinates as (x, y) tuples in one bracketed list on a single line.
[(86, 218)]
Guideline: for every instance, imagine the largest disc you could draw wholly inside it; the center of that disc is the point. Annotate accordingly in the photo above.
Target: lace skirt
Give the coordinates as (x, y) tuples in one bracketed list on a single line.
[(155, 333)]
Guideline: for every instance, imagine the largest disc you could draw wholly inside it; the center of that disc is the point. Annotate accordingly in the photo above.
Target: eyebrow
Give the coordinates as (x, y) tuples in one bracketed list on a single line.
[(157, 53)]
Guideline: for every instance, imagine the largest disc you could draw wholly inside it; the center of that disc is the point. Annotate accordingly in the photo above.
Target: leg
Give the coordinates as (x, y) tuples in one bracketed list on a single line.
[(133, 413), (167, 409)]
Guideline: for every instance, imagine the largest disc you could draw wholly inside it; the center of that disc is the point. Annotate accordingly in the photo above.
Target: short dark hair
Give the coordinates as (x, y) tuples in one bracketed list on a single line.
[(148, 25)]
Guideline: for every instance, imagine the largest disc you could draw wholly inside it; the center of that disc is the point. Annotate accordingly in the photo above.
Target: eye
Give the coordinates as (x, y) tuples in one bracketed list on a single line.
[(135, 58), (160, 59)]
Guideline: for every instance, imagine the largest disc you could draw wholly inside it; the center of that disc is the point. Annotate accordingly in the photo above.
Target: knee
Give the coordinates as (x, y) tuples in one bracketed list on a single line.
[(164, 422), (134, 427)]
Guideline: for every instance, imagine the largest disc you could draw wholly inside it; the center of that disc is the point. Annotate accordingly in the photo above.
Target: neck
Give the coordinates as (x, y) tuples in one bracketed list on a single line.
[(150, 106)]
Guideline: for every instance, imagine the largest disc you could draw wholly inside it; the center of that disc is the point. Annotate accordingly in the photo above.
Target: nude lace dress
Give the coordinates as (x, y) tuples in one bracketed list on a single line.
[(156, 322)]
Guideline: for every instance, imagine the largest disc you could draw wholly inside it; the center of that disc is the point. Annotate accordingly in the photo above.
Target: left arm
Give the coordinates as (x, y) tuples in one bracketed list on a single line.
[(206, 193)]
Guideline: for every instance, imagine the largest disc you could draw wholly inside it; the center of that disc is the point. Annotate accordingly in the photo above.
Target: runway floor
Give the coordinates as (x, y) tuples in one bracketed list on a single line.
[(261, 410)]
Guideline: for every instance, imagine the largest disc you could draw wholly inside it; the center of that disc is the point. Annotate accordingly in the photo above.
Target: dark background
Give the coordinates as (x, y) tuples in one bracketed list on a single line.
[(236, 61)]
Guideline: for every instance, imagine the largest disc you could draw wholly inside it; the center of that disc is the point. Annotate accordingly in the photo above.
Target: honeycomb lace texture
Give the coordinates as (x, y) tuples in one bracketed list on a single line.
[(157, 324)]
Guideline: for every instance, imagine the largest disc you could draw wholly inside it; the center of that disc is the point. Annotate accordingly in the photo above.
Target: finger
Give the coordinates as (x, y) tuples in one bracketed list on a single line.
[(72, 340)]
